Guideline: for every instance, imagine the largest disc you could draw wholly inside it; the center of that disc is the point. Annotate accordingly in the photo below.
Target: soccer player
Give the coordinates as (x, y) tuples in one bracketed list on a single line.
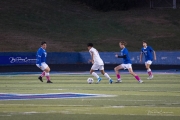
[(98, 64), (147, 52), (127, 64), (41, 62)]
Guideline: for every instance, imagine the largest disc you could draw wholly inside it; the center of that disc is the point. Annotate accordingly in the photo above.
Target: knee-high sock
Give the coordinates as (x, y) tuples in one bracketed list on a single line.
[(95, 75), (107, 76), (47, 76), (43, 74), (149, 72), (137, 78), (118, 76)]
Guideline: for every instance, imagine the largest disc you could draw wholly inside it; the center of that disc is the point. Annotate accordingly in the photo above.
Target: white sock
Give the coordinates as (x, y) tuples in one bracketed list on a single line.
[(46, 74), (95, 75), (107, 76)]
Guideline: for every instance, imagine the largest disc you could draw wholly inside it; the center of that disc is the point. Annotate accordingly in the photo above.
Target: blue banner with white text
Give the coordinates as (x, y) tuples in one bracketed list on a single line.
[(29, 58)]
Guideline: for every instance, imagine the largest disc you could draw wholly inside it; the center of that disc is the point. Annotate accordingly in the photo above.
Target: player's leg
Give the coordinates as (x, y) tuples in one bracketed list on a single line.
[(93, 68), (42, 74), (116, 69), (47, 70), (105, 74), (148, 64), (94, 74), (148, 69), (135, 75)]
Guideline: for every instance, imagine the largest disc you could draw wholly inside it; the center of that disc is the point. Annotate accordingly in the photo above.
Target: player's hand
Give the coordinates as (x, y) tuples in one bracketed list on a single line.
[(140, 61), (89, 61), (92, 61), (155, 58), (116, 55)]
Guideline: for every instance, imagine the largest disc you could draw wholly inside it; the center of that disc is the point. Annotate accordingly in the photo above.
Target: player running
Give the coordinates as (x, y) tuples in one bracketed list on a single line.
[(127, 64), (41, 62), (98, 64), (147, 52)]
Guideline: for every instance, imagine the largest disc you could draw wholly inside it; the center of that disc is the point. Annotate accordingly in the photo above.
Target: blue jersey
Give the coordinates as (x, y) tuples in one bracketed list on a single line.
[(147, 53), (127, 59), (41, 56)]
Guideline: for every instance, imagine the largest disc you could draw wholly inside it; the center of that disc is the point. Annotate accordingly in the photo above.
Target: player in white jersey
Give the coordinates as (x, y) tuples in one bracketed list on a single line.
[(98, 64)]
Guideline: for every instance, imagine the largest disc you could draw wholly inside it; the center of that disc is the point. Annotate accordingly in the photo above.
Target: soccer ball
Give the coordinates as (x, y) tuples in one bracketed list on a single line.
[(90, 80)]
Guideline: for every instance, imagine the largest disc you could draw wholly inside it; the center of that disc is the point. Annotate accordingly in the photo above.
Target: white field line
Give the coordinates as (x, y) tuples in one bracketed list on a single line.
[(5, 115), (30, 105)]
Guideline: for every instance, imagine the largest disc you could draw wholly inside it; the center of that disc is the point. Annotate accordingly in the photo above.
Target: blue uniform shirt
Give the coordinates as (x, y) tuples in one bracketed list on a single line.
[(147, 53), (126, 60), (41, 56)]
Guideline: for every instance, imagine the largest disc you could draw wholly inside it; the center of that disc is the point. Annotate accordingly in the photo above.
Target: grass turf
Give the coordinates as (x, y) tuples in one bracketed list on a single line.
[(154, 99)]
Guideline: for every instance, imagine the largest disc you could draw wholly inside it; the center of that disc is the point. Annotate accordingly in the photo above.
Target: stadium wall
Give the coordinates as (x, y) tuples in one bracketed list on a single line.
[(74, 61)]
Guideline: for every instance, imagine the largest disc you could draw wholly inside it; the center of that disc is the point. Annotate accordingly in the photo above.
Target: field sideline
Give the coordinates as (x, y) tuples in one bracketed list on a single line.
[(155, 99)]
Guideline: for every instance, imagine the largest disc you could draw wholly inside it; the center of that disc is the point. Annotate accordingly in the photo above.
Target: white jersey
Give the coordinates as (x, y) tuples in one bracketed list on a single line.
[(96, 57)]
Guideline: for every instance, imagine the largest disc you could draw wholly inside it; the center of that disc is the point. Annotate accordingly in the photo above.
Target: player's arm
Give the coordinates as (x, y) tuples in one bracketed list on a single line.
[(39, 54), (92, 57), (154, 55), (140, 59), (153, 52), (123, 56)]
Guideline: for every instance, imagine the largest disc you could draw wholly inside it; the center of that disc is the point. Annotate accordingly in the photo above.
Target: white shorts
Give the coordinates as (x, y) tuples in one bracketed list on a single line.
[(97, 67), (126, 66), (43, 66), (148, 62)]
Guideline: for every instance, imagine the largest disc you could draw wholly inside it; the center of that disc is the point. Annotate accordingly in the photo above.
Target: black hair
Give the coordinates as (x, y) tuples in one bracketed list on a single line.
[(90, 45), (123, 43), (43, 42), (144, 41)]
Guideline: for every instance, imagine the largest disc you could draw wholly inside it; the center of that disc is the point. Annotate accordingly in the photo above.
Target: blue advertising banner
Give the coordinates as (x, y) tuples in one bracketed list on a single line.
[(17, 58), (25, 58), (11, 60), (163, 58)]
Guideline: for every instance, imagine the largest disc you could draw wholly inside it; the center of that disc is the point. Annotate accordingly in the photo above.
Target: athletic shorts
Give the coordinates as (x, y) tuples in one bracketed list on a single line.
[(43, 66), (126, 66), (148, 62), (97, 67)]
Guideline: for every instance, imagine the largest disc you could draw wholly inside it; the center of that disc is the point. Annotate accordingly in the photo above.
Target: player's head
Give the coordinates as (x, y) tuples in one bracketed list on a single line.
[(43, 44), (122, 44), (89, 46), (144, 44)]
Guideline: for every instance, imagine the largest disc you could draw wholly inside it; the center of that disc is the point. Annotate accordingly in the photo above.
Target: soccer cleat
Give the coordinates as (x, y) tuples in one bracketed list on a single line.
[(150, 77), (110, 81), (119, 81), (49, 81), (40, 78), (140, 81), (99, 79)]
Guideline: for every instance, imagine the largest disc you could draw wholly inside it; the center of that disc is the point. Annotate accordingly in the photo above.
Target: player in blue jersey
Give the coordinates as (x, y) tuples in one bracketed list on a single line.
[(127, 64), (41, 62), (147, 52)]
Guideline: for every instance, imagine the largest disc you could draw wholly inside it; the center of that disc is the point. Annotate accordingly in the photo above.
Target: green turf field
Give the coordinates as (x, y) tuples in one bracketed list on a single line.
[(69, 26), (157, 99)]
